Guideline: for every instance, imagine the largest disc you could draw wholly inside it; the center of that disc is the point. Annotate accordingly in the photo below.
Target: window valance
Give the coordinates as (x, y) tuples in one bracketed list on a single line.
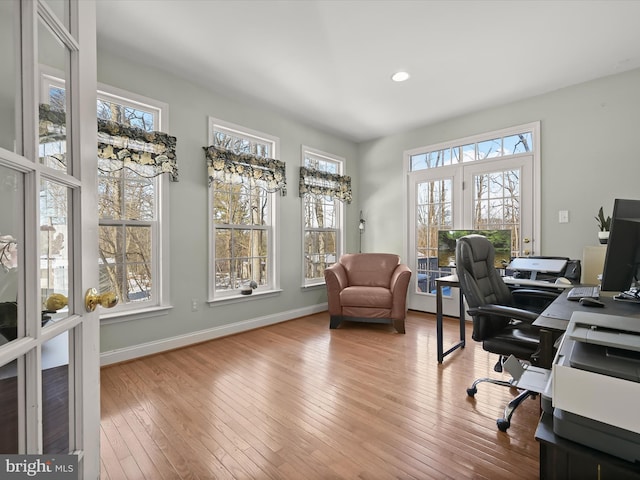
[(117, 141), (332, 185), (231, 167)]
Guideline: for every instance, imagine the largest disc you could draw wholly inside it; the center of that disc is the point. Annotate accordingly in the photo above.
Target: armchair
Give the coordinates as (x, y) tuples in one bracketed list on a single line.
[(368, 287), (499, 321)]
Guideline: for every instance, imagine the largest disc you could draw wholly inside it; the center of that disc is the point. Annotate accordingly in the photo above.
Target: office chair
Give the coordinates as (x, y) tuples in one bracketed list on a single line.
[(499, 320)]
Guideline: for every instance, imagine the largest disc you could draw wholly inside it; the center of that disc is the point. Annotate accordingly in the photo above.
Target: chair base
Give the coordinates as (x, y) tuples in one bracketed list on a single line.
[(336, 320), (505, 422)]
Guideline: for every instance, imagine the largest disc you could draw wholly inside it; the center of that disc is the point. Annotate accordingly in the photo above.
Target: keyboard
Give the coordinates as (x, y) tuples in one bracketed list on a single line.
[(576, 293)]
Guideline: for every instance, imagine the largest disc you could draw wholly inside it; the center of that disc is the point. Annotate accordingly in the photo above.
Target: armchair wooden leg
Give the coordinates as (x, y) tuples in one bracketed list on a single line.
[(335, 321), (399, 325)]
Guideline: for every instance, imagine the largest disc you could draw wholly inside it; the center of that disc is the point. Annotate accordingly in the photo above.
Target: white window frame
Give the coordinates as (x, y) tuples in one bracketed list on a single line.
[(273, 229), (160, 229), (339, 208)]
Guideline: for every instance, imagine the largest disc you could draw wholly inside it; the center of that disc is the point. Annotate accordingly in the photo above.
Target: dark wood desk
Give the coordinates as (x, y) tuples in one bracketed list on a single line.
[(448, 281), (563, 459)]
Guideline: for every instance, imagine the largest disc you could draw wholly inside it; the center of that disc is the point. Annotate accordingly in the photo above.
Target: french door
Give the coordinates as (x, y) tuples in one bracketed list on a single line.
[(497, 193), (49, 342)]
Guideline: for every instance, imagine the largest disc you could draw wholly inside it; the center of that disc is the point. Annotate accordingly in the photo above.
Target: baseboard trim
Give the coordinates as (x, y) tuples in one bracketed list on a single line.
[(158, 346)]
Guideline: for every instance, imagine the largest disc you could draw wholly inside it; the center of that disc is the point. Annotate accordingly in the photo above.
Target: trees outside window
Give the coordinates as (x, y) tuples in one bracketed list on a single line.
[(322, 220), (242, 217)]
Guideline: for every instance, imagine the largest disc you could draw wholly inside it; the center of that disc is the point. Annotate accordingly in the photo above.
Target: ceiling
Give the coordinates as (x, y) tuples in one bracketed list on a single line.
[(328, 63)]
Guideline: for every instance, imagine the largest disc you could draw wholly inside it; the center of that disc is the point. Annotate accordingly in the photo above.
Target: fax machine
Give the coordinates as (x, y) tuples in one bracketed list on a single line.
[(596, 384)]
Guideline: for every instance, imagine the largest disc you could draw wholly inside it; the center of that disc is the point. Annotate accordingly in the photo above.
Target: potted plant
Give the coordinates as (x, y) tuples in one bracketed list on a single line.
[(604, 224)]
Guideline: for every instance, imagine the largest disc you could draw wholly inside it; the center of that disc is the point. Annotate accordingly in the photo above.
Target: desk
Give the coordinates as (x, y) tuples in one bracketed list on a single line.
[(448, 281), (563, 459), (452, 281)]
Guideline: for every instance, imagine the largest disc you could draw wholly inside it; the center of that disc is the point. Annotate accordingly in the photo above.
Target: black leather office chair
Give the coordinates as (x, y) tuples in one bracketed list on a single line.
[(499, 321)]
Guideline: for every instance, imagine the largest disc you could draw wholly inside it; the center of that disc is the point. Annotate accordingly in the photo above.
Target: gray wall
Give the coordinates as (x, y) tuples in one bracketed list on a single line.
[(189, 106), (589, 156)]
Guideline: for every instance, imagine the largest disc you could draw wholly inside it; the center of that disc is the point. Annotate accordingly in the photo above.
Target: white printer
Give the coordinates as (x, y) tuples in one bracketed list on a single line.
[(596, 384)]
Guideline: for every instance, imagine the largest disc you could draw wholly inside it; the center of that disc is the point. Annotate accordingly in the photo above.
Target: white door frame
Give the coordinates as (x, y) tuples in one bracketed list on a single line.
[(82, 327)]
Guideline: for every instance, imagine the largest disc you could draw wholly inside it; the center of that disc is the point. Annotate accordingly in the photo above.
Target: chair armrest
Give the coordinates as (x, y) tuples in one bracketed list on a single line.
[(534, 293), (336, 280), (534, 300), (503, 311), (399, 286)]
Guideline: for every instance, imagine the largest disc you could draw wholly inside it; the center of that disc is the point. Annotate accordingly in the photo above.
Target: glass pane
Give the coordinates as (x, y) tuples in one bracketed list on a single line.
[(519, 143), (418, 162), (490, 148), (497, 203), (11, 228), (53, 56), (9, 408), (61, 9), (8, 74), (139, 263), (433, 212), (469, 152), (135, 117), (55, 395), (139, 193), (109, 190), (54, 245)]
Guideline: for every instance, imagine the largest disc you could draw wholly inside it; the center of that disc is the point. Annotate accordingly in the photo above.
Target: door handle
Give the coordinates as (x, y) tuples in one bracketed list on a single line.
[(92, 299)]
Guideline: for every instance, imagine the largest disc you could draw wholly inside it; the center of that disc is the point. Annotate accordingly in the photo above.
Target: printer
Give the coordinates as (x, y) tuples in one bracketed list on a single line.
[(596, 384)]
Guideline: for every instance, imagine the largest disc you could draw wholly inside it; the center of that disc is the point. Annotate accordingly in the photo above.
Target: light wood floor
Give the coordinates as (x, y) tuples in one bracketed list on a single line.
[(300, 401)]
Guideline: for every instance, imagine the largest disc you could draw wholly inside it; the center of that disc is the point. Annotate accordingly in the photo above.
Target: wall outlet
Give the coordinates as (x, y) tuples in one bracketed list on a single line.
[(194, 304)]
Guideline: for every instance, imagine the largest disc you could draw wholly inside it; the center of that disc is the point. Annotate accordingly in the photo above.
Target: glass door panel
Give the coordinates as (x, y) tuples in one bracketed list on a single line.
[(9, 408), (55, 395), (11, 235), (55, 236), (53, 62), (8, 58)]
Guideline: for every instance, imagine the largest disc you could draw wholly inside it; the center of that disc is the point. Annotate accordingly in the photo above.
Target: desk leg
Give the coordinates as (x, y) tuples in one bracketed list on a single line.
[(439, 321), (463, 329)]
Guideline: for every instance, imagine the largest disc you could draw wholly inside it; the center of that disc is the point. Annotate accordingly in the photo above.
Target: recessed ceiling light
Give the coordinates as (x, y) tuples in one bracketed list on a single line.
[(400, 76)]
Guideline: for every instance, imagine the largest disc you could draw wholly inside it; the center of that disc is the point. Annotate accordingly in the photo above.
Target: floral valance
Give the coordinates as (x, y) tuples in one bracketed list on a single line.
[(228, 166), (120, 142), (333, 185)]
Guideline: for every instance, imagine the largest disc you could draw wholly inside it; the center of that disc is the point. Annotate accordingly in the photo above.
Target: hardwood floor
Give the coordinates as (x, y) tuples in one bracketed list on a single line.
[(300, 401)]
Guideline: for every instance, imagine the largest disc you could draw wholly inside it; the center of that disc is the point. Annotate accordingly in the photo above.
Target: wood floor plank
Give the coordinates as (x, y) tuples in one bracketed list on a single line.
[(298, 400)]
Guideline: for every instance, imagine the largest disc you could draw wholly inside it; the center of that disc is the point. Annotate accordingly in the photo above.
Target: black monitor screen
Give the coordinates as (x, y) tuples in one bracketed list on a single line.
[(623, 247), (500, 239)]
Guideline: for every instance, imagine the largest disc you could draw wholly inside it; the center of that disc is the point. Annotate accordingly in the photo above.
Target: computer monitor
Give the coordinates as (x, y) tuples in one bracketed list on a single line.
[(500, 239), (623, 247)]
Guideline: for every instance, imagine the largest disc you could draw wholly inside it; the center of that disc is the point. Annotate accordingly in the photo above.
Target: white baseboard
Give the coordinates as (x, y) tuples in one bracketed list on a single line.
[(150, 348)]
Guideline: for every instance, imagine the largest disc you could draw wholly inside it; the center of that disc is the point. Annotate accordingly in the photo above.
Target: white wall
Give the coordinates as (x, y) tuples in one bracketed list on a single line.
[(589, 156), (189, 106)]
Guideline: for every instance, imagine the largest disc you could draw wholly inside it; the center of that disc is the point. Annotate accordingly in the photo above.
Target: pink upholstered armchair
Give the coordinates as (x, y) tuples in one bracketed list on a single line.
[(369, 287)]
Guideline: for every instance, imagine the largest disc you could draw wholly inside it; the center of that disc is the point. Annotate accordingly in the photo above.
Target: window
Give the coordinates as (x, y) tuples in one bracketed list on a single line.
[(322, 220), (486, 182), (243, 205), (132, 238)]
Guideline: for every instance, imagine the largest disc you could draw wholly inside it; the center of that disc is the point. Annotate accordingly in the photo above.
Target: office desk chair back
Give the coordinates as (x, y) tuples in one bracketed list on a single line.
[(501, 318)]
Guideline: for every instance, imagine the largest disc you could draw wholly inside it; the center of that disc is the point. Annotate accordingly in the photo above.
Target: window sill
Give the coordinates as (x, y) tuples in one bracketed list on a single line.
[(127, 315), (242, 298), (314, 285)]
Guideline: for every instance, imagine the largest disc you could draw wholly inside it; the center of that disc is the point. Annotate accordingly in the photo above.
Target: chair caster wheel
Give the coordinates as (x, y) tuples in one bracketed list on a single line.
[(503, 424), (472, 391)]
